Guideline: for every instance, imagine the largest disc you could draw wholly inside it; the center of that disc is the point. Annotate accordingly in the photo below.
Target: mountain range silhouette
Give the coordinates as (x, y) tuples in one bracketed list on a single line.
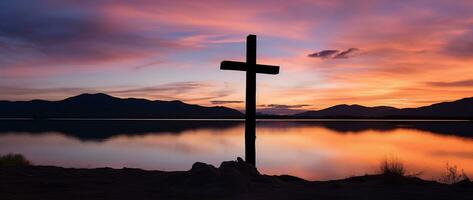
[(105, 106), (462, 108)]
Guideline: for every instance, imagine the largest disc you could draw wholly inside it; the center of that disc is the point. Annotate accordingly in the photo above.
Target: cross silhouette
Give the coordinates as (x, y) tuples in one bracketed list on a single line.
[(251, 69)]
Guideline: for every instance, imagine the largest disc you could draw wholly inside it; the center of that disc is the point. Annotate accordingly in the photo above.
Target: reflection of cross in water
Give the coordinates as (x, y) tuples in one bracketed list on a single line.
[(251, 69)]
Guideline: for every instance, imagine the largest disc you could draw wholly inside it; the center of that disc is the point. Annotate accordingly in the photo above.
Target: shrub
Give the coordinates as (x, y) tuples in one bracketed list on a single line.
[(13, 160), (392, 166), (453, 175)]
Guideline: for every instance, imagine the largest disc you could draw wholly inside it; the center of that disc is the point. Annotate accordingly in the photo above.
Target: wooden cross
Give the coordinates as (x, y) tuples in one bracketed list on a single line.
[(251, 69)]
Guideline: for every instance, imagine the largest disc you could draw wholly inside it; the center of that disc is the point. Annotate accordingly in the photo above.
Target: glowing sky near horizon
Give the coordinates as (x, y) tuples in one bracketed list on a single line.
[(394, 53)]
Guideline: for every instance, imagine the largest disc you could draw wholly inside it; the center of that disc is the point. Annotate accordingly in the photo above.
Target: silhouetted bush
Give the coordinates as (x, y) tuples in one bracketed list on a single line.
[(453, 175), (392, 166), (13, 160)]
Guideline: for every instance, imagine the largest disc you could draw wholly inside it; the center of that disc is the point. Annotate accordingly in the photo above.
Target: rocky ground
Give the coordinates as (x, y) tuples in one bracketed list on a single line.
[(232, 180)]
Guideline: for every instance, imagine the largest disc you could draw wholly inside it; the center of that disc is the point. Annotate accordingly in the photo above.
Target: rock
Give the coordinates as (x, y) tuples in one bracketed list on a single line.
[(202, 173), (240, 167), (202, 167), (231, 177)]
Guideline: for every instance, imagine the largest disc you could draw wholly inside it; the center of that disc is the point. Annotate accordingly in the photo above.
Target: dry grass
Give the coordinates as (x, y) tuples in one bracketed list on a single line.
[(392, 166), (13, 160), (453, 175)]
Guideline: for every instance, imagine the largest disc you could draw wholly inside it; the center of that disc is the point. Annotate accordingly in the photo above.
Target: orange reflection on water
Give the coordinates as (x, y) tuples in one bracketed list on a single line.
[(319, 153), (311, 151)]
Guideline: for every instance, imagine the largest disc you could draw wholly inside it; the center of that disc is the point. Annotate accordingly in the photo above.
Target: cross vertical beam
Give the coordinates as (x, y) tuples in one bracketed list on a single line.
[(250, 119), (251, 69)]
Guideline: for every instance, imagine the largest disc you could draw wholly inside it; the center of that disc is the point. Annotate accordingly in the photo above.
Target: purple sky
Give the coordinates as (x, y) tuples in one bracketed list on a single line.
[(396, 53)]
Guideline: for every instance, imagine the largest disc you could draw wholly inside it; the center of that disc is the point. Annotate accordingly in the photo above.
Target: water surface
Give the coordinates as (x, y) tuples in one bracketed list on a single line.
[(315, 150)]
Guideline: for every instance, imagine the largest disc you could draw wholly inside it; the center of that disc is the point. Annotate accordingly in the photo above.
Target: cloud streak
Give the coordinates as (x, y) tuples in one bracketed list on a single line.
[(463, 83), (220, 102), (281, 106), (282, 109), (461, 45), (335, 54)]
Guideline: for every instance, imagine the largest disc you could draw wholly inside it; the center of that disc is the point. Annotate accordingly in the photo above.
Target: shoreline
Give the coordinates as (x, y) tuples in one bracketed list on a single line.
[(231, 180)]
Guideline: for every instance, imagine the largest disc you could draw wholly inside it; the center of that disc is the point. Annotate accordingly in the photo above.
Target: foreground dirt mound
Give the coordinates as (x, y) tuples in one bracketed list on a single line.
[(231, 180)]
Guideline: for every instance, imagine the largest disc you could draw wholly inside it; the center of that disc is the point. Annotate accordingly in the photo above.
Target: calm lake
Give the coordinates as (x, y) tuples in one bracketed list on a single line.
[(314, 150)]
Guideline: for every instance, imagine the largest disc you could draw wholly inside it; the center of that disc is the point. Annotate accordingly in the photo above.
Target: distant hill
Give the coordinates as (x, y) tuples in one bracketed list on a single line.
[(104, 106), (349, 110), (462, 108)]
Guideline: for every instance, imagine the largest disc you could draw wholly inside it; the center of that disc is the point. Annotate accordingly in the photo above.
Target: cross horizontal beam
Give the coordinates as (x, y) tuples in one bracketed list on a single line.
[(242, 66)]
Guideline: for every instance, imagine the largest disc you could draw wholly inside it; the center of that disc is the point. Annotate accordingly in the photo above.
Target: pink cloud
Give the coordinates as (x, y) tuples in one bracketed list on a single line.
[(402, 46)]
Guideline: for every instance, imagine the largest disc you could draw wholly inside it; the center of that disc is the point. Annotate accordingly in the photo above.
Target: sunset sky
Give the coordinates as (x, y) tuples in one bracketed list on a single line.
[(394, 53)]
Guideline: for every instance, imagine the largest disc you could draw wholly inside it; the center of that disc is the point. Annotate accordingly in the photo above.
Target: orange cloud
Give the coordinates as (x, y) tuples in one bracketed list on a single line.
[(406, 56)]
